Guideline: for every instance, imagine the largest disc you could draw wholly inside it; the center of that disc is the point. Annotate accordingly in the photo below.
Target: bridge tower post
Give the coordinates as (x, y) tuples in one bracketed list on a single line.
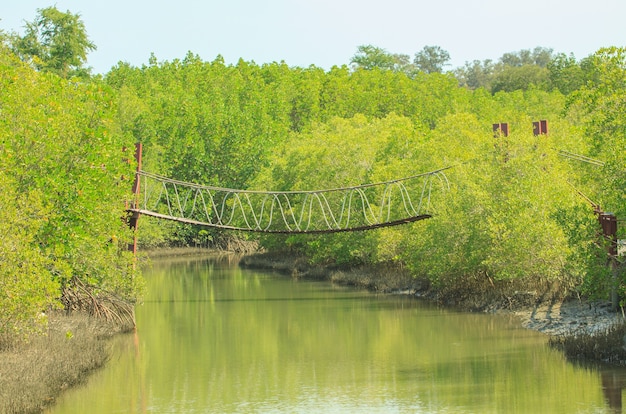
[(134, 218), (500, 129), (608, 221), (540, 127)]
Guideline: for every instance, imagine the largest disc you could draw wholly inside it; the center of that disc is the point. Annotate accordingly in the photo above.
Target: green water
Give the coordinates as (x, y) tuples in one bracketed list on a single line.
[(213, 338)]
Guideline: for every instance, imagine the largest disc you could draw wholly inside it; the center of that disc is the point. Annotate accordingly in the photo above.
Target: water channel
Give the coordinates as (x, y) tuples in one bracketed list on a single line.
[(215, 338)]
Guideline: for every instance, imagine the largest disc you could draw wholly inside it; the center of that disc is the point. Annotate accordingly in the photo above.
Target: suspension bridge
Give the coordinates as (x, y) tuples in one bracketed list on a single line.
[(355, 208)]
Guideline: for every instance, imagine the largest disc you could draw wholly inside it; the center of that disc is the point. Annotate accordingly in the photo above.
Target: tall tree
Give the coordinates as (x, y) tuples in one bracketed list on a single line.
[(55, 42), (476, 74), (565, 73), (513, 78), (62, 193), (539, 56), (602, 107), (513, 71), (431, 59), (369, 57)]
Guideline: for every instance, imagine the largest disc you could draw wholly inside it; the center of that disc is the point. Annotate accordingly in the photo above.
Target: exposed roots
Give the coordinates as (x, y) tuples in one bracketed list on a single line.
[(78, 296), (236, 244)]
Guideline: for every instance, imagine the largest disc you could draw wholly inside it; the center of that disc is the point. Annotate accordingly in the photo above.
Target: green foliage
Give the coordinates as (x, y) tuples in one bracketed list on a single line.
[(215, 122), (218, 124), (431, 59), (587, 263), (514, 71), (601, 109), (500, 217), (55, 42), (513, 78), (476, 74), (63, 191), (565, 73), (369, 57), (209, 123), (539, 56), (25, 282)]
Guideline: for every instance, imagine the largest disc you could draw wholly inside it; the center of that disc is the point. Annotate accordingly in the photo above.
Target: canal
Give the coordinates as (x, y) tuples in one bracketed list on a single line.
[(214, 338)]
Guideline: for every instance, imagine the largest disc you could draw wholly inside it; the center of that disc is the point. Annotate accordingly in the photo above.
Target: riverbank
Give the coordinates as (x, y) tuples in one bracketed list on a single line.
[(583, 329), (33, 374)]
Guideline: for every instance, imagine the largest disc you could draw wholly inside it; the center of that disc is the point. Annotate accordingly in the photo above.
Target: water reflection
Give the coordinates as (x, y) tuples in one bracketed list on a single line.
[(613, 384), (215, 338)]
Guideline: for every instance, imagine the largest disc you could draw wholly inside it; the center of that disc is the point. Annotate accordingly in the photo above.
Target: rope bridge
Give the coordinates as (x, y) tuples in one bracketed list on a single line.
[(357, 208)]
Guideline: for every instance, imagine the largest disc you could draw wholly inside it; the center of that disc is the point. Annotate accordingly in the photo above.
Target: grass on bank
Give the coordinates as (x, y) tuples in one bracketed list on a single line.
[(33, 374)]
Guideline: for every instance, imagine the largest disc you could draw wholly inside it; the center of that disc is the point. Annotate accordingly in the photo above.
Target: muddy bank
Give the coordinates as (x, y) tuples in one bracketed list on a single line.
[(473, 295), (583, 329), (171, 252)]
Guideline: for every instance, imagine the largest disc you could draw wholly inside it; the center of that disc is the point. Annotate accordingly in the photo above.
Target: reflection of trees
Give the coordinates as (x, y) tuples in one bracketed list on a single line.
[(216, 337), (613, 382)]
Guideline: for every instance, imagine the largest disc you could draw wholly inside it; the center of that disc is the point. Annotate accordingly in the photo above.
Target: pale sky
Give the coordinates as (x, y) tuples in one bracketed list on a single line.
[(327, 32)]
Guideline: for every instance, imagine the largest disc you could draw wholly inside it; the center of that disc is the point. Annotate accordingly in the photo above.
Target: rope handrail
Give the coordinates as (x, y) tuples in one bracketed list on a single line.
[(327, 190), (353, 208)]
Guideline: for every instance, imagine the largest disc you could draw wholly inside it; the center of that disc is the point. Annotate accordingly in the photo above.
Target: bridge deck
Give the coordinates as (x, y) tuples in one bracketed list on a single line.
[(271, 231)]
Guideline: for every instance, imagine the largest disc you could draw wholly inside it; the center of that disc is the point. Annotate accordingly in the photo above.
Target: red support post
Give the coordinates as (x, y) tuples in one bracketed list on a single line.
[(540, 127), (134, 218), (608, 221), (501, 129)]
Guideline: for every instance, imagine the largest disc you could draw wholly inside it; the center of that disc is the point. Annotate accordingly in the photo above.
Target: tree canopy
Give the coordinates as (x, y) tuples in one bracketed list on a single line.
[(55, 42), (63, 186), (431, 59)]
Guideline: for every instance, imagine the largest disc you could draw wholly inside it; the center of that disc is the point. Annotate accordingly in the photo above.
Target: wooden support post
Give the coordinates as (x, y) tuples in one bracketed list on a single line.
[(608, 221), (134, 218)]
